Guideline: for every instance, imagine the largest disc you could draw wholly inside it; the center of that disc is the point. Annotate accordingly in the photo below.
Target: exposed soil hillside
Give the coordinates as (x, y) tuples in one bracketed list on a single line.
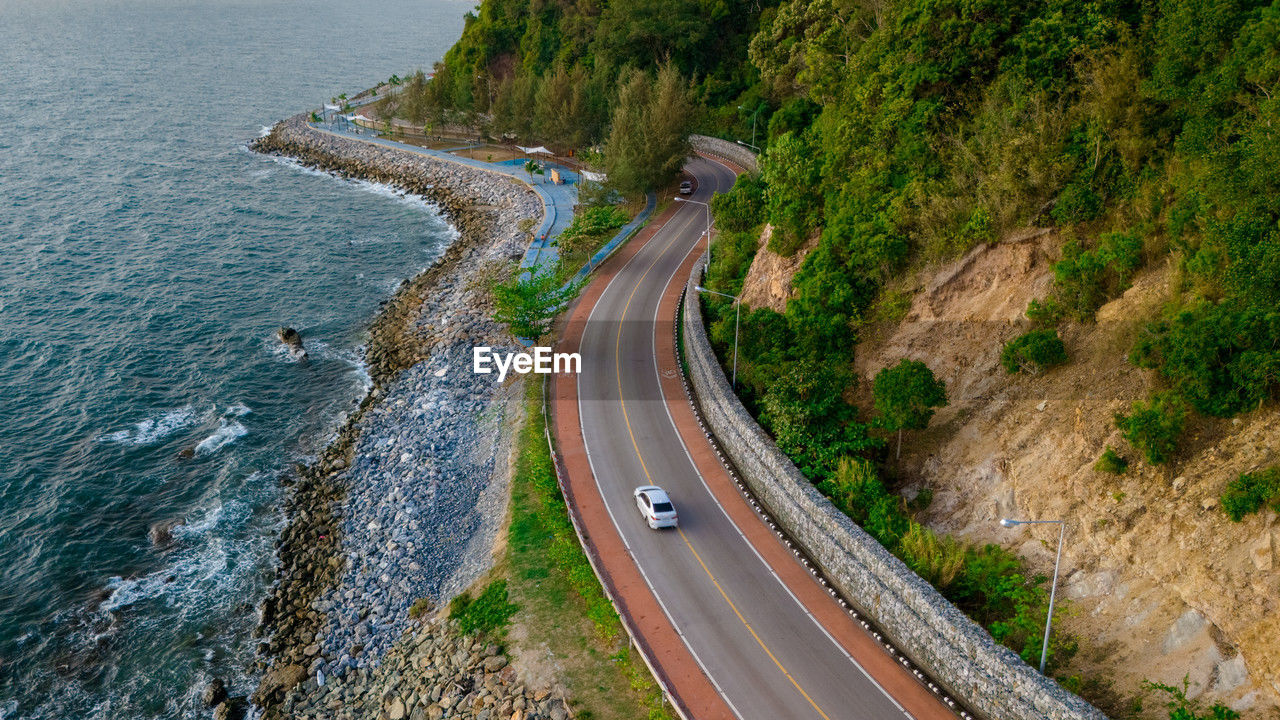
[(1161, 583), (768, 281)]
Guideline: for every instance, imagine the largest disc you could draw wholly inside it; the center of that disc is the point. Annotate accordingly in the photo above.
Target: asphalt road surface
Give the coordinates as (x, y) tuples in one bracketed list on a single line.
[(761, 649)]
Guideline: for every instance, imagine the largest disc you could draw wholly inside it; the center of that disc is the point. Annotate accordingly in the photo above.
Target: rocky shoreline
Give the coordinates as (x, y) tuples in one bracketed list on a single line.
[(406, 502)]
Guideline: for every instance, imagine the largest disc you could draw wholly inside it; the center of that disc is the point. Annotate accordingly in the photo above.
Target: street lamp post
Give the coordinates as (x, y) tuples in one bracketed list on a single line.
[(705, 205), (737, 304), (1053, 591), (753, 123), (737, 318)]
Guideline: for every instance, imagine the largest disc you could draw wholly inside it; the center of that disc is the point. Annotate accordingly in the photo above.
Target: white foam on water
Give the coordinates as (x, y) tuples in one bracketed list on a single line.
[(284, 353), (228, 432), (203, 566), (376, 188), (236, 410), (153, 429), (265, 130)]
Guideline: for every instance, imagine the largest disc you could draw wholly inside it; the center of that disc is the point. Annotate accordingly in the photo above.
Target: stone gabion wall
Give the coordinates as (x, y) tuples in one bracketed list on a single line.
[(987, 677), (733, 152)]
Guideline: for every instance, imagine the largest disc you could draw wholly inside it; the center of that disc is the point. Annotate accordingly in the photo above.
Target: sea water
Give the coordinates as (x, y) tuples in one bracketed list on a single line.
[(146, 261)]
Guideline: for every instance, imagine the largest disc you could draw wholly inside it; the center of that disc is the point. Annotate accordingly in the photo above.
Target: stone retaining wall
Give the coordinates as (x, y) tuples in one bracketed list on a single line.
[(987, 677), (733, 152)]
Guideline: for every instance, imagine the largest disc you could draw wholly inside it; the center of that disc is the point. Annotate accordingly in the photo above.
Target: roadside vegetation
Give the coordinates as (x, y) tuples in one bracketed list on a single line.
[(527, 302), (592, 227), (840, 449), (900, 133), (563, 611)]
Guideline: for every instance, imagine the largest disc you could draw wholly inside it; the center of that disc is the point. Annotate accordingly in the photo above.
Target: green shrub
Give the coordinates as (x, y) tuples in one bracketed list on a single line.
[(1046, 312), (1224, 358), (1078, 202), (1111, 462), (808, 416), (1085, 279), (742, 208), (1033, 351), (1183, 708), (420, 607), (487, 612), (856, 489), (994, 589), (936, 558), (1250, 492), (1153, 427)]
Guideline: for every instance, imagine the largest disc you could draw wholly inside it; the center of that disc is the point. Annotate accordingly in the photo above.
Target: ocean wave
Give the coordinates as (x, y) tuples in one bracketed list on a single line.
[(153, 429), (385, 190), (228, 432)]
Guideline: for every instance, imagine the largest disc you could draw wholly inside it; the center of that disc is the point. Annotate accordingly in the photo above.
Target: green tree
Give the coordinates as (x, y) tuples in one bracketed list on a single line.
[(742, 208), (806, 411), (1033, 351), (528, 302), (649, 138), (906, 396), (533, 168), (791, 172), (625, 152), (1153, 427)]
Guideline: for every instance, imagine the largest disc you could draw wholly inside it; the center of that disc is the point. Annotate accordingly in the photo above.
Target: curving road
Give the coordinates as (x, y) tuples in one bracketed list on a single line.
[(758, 643)]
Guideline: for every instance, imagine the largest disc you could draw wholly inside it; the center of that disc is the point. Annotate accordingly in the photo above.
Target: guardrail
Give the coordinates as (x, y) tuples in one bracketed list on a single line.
[(737, 154)]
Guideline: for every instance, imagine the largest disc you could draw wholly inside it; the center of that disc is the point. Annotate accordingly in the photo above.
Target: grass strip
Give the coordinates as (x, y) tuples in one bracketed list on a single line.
[(564, 612)]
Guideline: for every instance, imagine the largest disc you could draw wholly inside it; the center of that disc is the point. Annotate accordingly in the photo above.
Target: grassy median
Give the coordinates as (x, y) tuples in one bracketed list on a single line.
[(566, 623)]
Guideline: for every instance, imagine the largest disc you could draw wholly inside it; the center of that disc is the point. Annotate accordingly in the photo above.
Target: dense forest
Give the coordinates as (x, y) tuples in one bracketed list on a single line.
[(1143, 129), (899, 132)]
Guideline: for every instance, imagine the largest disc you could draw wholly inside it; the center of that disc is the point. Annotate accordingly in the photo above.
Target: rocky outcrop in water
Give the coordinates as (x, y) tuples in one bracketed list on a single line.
[(292, 339)]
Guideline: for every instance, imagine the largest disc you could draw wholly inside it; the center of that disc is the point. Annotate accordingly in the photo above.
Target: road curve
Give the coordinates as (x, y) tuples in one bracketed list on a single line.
[(764, 634)]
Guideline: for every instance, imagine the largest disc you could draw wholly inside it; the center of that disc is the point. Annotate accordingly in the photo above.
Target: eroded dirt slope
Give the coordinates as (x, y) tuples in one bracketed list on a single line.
[(1161, 583)]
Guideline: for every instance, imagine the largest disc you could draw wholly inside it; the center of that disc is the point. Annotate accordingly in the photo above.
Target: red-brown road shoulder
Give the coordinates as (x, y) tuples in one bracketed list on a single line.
[(692, 691)]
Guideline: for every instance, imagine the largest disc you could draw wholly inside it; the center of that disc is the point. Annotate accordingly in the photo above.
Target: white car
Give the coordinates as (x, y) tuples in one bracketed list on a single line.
[(655, 507), (686, 188)]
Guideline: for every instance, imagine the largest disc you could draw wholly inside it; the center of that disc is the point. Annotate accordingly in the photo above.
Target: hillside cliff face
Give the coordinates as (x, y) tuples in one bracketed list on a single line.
[(768, 282), (1161, 584)]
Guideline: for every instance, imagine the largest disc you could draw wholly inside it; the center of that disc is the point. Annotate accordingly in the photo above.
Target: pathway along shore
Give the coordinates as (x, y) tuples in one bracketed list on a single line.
[(408, 499)]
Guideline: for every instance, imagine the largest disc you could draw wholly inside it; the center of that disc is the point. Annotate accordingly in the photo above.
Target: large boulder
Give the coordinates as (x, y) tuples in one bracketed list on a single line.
[(293, 340), (278, 681), (161, 534), (214, 693)]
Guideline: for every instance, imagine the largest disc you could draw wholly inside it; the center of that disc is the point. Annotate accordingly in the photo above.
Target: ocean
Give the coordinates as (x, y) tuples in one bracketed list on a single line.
[(148, 260)]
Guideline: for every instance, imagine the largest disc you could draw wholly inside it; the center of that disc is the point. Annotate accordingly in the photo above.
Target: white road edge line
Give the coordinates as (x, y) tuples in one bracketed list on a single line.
[(658, 376), (613, 518)]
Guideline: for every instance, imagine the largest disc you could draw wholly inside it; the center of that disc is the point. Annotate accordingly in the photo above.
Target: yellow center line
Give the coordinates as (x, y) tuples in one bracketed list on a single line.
[(750, 629), (617, 366)]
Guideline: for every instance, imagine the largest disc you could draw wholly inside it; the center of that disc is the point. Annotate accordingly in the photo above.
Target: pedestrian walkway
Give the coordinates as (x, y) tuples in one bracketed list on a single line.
[(557, 200)]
